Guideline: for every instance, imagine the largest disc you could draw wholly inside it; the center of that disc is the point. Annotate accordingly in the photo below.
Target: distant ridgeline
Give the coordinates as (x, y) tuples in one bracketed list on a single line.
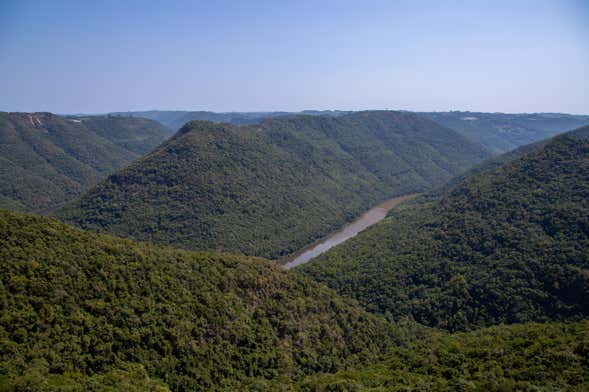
[(271, 188), (509, 243), (501, 132), (47, 159), (175, 119)]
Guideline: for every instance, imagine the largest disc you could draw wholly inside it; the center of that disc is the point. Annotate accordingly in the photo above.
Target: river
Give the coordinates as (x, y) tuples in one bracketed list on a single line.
[(369, 218)]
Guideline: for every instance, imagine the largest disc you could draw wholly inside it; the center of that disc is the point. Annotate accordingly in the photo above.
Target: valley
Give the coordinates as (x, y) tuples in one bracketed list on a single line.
[(474, 255), (272, 188), (505, 245), (367, 219), (294, 196)]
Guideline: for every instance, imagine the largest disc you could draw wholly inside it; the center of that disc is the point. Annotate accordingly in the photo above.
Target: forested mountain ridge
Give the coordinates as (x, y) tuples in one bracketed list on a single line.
[(49, 159), (499, 160), (138, 135), (82, 309), (505, 245), (499, 132), (271, 188), (176, 119), (502, 132)]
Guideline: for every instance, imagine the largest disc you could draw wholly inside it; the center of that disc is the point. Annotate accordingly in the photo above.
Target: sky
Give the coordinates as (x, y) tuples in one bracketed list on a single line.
[(100, 56)]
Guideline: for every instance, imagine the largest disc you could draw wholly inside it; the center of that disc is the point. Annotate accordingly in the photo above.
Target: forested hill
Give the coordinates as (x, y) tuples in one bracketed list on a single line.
[(48, 159), (499, 132), (502, 132), (498, 160), (175, 119), (90, 312), (506, 245), (270, 189), (138, 135), (84, 311)]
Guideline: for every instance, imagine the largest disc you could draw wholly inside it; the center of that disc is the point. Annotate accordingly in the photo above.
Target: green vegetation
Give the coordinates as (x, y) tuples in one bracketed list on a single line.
[(89, 312), (269, 189), (138, 135), (508, 244), (501, 132), (528, 357), (83, 308), (175, 119), (46, 160)]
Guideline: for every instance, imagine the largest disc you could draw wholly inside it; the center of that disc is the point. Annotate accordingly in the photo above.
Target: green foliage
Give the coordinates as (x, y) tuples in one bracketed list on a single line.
[(509, 244), (126, 377), (83, 309), (270, 189), (46, 160), (138, 135), (501, 132), (528, 357)]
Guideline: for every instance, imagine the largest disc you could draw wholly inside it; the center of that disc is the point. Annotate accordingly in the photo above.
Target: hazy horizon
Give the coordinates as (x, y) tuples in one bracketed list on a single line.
[(509, 57)]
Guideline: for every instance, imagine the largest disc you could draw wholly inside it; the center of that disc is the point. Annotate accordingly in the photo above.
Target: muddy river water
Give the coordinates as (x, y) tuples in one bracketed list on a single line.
[(369, 218)]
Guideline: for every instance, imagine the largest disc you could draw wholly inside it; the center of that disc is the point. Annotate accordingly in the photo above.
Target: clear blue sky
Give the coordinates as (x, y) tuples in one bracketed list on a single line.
[(100, 56)]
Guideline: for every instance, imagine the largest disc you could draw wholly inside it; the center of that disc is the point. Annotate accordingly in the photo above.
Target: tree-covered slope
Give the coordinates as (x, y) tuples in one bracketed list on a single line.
[(86, 309), (138, 135), (82, 311), (502, 132), (523, 357), (508, 244), (271, 188), (48, 159), (175, 119)]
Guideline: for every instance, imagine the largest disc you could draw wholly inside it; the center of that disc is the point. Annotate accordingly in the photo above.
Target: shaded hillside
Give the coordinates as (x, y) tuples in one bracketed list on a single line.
[(48, 159), (81, 308), (506, 245), (502, 132), (175, 119), (269, 189)]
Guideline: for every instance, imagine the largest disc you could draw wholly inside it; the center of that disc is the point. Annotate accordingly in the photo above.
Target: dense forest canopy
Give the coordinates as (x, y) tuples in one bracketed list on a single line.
[(78, 306), (508, 244), (47, 159), (271, 188), (521, 357), (85, 311), (90, 312)]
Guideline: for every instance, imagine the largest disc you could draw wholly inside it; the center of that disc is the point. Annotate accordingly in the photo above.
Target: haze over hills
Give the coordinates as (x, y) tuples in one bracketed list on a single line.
[(499, 132), (175, 119), (269, 189), (502, 132), (507, 244), (138, 135), (49, 159)]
